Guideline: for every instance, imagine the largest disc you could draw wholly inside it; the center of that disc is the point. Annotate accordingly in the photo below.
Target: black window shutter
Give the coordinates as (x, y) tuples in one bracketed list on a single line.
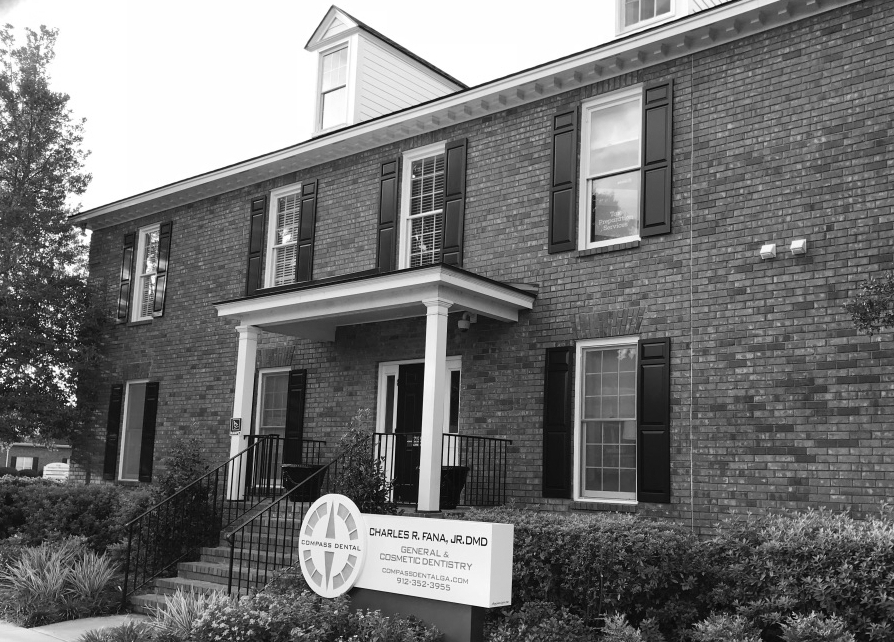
[(34, 464), (653, 421), (126, 276), (12, 462), (257, 223), (558, 428), (113, 427), (563, 181), (305, 259), (294, 432), (387, 216), (454, 202), (658, 107), (147, 444), (161, 273)]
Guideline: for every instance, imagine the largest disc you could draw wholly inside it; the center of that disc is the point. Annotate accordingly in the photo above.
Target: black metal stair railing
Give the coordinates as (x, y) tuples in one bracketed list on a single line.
[(267, 541), (481, 461), (176, 528)]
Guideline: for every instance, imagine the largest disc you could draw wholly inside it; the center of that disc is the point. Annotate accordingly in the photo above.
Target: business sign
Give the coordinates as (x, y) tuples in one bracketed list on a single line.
[(439, 559)]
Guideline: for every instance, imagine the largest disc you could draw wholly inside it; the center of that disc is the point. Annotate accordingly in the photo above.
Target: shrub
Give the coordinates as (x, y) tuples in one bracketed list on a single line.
[(617, 629), (361, 476), (538, 622), (6, 470), (725, 628), (178, 618), (29, 473), (127, 632), (185, 463), (815, 627), (57, 581), (607, 563)]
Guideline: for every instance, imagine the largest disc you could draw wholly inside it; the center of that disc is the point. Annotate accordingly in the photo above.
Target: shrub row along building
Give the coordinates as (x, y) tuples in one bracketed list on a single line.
[(630, 262)]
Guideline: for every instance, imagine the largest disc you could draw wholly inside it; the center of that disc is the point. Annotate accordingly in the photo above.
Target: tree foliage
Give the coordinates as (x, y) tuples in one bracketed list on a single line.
[(48, 329), (872, 309)]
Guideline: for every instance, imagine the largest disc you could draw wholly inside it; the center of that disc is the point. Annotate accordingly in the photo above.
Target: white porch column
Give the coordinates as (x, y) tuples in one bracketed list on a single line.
[(242, 403), (433, 392)]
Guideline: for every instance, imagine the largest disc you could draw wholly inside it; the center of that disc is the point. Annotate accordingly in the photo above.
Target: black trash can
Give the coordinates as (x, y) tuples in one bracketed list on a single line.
[(453, 480), (295, 474)]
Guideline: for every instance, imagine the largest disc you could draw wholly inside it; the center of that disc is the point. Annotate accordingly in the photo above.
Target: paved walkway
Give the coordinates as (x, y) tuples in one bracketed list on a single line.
[(70, 631)]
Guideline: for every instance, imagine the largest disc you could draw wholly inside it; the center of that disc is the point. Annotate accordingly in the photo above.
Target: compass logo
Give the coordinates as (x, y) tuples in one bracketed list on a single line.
[(332, 545)]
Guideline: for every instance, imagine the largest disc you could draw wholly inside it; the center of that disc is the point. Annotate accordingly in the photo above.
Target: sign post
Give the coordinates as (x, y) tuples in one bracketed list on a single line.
[(445, 572)]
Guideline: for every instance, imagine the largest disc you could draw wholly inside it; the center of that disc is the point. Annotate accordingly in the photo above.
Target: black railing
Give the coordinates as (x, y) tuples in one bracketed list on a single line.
[(266, 542), (473, 469), (176, 528)]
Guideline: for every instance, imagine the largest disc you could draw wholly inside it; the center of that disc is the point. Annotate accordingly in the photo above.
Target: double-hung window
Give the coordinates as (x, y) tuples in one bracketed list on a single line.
[(607, 422), (611, 159), (282, 240), (146, 273), (422, 207), (635, 12), (334, 89)]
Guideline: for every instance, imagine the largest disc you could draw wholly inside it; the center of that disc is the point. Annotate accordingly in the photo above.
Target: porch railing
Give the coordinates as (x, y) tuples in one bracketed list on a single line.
[(266, 542), (176, 528), (485, 460)]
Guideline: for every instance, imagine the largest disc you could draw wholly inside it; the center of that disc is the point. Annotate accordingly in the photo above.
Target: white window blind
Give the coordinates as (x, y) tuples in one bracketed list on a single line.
[(285, 249), (148, 267), (426, 205)]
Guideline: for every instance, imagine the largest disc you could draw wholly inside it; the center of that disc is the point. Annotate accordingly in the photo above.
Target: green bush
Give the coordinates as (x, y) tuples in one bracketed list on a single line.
[(815, 627), (361, 476), (725, 628), (186, 461), (38, 510), (127, 632), (57, 581), (538, 622), (600, 564)]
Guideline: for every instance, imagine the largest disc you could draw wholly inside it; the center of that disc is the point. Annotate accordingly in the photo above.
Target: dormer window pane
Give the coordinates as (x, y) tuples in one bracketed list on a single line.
[(640, 10), (333, 86)]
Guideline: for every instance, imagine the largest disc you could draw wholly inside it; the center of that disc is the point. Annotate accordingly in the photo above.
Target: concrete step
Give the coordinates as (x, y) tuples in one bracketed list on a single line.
[(147, 603), (218, 573), (170, 585), (221, 555)]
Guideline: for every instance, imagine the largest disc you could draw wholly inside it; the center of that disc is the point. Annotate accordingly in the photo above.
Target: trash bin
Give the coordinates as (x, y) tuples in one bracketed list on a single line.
[(296, 474), (453, 480)]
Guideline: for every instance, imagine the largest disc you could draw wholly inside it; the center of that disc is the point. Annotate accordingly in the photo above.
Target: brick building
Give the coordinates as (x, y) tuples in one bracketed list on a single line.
[(571, 257)]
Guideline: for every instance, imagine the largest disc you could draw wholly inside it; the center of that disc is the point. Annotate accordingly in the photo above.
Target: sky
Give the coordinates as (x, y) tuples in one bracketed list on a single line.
[(172, 89)]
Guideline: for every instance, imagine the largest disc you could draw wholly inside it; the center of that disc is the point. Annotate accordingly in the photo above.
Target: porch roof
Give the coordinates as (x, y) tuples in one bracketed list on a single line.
[(315, 310)]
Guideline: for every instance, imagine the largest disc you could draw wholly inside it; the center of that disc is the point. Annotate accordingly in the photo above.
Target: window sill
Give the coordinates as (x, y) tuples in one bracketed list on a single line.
[(603, 249), (141, 322), (604, 505), (129, 482)]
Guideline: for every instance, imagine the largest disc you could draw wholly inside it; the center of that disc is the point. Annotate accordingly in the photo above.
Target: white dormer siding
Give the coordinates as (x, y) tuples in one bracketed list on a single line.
[(380, 76)]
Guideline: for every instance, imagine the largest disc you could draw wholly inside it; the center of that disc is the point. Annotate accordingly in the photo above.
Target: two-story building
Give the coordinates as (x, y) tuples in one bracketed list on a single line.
[(630, 262)]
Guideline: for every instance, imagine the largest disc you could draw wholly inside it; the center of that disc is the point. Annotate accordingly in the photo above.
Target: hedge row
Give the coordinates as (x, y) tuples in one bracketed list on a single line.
[(762, 568)]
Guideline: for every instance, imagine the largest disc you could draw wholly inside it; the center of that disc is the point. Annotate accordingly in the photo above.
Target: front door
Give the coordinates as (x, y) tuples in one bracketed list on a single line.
[(407, 428)]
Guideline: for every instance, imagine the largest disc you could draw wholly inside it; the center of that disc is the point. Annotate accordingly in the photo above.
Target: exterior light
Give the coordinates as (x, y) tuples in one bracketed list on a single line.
[(768, 251)]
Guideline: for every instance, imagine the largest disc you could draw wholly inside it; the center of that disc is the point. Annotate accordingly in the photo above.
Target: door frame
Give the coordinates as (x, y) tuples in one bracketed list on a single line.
[(389, 368)]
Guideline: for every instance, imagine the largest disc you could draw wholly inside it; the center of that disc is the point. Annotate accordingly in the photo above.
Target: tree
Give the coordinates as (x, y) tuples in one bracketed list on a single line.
[(48, 327), (872, 309)]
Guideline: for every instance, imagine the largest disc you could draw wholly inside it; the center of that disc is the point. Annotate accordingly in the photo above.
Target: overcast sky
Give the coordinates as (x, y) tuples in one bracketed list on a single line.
[(171, 89)]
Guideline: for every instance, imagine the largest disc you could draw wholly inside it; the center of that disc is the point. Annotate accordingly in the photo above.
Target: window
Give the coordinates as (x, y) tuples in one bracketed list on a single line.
[(606, 419), (334, 88), (25, 463), (422, 205), (132, 441), (610, 170), (634, 12), (146, 269), (273, 402), (282, 239)]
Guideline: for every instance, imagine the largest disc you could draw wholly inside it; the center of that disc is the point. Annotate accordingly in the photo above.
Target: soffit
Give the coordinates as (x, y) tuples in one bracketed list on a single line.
[(682, 37)]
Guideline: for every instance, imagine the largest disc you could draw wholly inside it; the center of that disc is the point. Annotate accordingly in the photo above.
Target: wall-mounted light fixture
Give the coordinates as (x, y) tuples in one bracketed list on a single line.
[(768, 251), (798, 246), (467, 320)]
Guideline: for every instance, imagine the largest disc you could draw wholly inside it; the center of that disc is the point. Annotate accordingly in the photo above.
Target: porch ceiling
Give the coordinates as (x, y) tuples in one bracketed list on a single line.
[(314, 311)]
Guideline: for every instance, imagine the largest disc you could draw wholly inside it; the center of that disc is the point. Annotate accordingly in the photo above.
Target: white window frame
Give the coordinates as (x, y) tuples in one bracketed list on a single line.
[(387, 368), (613, 342), (259, 397), (269, 262), (349, 85), (403, 236), (30, 465), (642, 24), (138, 275), (123, 427), (601, 102)]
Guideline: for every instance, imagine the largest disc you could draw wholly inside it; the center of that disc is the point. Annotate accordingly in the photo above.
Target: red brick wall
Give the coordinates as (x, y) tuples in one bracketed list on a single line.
[(776, 402)]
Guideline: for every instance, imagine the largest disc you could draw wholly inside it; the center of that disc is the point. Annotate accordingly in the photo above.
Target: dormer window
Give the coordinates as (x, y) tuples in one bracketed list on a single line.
[(334, 88), (636, 13)]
